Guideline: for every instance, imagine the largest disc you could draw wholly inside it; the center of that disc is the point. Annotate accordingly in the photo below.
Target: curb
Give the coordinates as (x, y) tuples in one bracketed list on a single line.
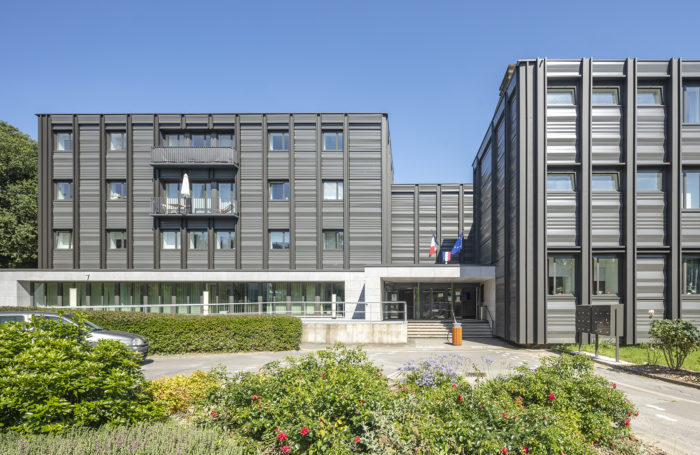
[(621, 366)]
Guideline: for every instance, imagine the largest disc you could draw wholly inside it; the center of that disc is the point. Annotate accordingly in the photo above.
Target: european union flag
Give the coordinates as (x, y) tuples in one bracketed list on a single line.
[(458, 244)]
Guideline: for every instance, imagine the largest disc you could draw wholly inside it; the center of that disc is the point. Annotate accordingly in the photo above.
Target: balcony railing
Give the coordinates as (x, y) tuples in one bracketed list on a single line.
[(164, 206), (193, 156)]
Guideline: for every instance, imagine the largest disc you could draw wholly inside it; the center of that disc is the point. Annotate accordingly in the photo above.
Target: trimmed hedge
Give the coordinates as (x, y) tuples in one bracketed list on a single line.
[(179, 334)]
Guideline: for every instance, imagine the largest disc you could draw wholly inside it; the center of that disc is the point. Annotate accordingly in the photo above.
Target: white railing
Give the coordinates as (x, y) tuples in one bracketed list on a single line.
[(192, 206)]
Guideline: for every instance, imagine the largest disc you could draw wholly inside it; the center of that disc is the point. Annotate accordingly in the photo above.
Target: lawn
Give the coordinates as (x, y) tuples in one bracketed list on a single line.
[(634, 354)]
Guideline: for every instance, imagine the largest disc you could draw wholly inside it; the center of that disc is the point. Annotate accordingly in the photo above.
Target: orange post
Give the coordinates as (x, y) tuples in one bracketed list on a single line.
[(457, 336)]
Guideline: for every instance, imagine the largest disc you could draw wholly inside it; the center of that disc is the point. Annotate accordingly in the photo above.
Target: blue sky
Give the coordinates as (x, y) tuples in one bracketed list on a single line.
[(434, 67)]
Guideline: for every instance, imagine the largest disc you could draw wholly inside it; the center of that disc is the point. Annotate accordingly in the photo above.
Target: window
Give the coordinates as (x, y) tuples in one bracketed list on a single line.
[(63, 240), (116, 141), (170, 240), (116, 240), (227, 196), (225, 240), (279, 140), (332, 240), (116, 190), (691, 189), (561, 278), (225, 140), (650, 180), (201, 197), (649, 96), (279, 240), (691, 103), (279, 191), (605, 275), (691, 274), (605, 182), (560, 181), (63, 190), (333, 140), (175, 139), (201, 140), (4, 319), (64, 142), (560, 97), (605, 96), (333, 190), (198, 240)]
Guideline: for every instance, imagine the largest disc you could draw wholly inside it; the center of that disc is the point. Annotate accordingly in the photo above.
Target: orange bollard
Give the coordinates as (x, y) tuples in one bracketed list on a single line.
[(457, 335)]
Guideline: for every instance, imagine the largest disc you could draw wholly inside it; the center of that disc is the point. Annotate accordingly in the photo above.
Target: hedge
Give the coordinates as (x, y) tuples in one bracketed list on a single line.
[(179, 334)]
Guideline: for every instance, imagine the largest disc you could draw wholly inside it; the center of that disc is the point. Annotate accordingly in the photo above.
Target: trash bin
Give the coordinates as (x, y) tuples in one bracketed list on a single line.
[(457, 334)]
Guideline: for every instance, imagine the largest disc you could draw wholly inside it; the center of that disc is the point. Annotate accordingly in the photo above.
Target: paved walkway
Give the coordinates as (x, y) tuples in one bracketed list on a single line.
[(669, 414)]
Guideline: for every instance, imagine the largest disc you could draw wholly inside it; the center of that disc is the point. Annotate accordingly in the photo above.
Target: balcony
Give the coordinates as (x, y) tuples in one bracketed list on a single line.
[(192, 207), (193, 157)]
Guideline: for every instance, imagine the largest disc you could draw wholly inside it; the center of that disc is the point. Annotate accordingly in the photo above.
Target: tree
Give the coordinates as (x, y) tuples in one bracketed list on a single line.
[(18, 198)]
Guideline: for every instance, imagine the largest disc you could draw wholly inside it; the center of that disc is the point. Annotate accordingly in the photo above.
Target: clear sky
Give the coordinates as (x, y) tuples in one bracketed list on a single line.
[(433, 66)]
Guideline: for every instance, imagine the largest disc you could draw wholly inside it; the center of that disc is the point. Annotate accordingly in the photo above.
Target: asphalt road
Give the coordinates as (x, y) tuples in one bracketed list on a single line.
[(669, 414)]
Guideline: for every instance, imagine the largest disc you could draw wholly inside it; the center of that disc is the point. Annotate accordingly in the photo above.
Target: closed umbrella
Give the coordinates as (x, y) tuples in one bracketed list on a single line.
[(185, 190)]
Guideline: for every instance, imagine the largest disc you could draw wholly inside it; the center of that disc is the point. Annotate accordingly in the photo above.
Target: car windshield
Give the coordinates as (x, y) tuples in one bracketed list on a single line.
[(91, 327)]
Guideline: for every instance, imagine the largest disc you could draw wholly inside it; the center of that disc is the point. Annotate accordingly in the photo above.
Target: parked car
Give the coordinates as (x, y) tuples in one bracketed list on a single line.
[(133, 342)]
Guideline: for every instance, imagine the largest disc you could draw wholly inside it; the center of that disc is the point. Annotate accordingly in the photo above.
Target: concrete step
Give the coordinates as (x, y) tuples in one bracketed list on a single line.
[(443, 329)]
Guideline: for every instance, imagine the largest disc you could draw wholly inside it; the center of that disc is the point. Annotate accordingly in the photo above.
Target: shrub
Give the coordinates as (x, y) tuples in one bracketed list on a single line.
[(142, 439), (181, 392), (177, 333), (50, 380), (676, 339)]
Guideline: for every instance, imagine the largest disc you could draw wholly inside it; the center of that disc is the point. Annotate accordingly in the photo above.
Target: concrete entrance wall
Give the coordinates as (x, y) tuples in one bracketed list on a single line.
[(390, 332)]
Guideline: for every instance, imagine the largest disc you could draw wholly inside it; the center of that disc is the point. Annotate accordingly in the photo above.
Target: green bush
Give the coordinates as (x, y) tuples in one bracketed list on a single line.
[(178, 334), (141, 439), (180, 392), (50, 380), (676, 339)]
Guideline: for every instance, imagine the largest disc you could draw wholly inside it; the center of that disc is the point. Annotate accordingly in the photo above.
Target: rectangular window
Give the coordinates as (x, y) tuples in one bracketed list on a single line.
[(691, 103), (279, 240), (561, 97), (332, 240), (606, 270), (691, 274), (649, 96), (605, 182), (116, 141), (225, 140), (333, 140), (116, 190), (201, 140), (649, 180), (279, 191), (63, 240), (63, 190), (691, 189), (175, 140), (605, 96), (333, 190), (560, 181), (225, 240), (64, 141), (227, 196), (116, 240), (201, 197), (562, 275), (279, 140), (198, 240), (170, 240)]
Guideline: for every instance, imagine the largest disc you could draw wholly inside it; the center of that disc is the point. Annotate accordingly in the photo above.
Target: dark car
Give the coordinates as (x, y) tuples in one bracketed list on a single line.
[(132, 341)]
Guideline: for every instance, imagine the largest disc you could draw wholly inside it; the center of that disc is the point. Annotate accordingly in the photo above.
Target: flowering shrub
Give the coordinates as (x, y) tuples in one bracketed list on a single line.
[(676, 339), (180, 392)]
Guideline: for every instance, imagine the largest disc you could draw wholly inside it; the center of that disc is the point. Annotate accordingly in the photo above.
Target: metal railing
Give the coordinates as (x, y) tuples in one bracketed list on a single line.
[(193, 155), (394, 311), (192, 206)]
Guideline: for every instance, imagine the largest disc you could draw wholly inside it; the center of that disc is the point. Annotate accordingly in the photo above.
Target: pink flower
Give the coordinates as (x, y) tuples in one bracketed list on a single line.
[(282, 436), (460, 398), (357, 439), (304, 431), (551, 397), (525, 449), (636, 414), (285, 449), (454, 385), (627, 423), (504, 450), (213, 413)]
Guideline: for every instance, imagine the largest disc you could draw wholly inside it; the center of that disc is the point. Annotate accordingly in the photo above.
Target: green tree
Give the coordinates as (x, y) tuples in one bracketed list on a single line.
[(18, 198)]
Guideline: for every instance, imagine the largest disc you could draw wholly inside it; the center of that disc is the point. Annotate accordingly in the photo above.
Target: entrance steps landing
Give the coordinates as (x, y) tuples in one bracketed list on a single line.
[(471, 328)]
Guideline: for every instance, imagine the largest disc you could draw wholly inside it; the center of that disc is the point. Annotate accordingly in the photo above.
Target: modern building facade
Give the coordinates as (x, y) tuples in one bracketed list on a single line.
[(586, 191)]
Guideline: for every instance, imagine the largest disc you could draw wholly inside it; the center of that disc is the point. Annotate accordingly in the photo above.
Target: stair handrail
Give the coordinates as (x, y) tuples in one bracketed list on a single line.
[(490, 319)]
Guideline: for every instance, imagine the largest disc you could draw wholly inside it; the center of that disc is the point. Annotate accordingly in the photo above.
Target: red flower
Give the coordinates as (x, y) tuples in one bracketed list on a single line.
[(525, 449), (614, 386), (282, 436), (481, 406), (454, 385), (324, 376), (213, 413), (505, 416), (256, 397), (627, 423), (551, 396), (357, 439), (629, 414), (504, 450), (522, 406), (460, 398), (285, 449), (636, 414), (304, 431)]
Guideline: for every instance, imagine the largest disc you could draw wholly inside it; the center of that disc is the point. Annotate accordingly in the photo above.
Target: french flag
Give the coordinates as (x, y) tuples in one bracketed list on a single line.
[(433, 246), (446, 256)]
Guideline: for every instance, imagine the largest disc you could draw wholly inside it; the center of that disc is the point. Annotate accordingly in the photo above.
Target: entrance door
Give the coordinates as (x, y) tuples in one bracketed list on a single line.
[(466, 302)]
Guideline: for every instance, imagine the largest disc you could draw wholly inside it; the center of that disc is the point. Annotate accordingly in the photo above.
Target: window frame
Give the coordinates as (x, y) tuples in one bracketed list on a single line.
[(615, 174), (561, 89), (684, 184), (684, 275), (122, 238), (231, 239), (56, 142), (649, 171), (553, 292), (285, 189), (595, 262), (204, 241), (650, 88), (340, 145), (178, 239), (339, 235), (122, 183), (574, 182), (614, 89), (56, 234), (693, 84), (285, 239), (285, 140), (55, 190), (338, 184), (109, 140)]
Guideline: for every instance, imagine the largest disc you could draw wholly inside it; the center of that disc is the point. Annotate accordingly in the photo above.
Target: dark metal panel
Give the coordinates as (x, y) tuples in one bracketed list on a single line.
[(252, 193), (650, 290), (561, 315), (116, 259), (427, 222), (631, 153), (115, 215), (403, 226), (606, 135), (675, 192)]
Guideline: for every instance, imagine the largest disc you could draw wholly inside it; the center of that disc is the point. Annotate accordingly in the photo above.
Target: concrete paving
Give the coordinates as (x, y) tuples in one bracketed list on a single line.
[(669, 414)]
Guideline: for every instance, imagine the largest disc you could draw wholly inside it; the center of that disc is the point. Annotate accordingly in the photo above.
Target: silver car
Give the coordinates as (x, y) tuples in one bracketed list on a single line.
[(132, 341)]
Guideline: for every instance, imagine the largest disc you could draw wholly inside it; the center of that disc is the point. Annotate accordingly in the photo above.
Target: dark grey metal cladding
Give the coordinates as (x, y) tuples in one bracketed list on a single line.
[(89, 191), (651, 274)]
